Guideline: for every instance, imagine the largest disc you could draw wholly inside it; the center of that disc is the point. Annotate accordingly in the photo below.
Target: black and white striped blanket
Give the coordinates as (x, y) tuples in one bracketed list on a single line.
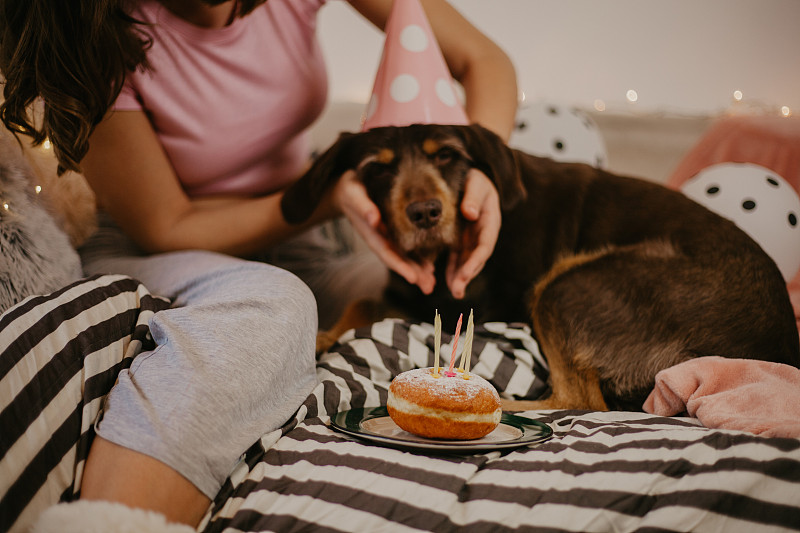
[(60, 354), (617, 471)]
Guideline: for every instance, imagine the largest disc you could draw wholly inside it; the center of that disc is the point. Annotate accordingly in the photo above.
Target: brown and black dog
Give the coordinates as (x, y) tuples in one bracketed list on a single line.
[(618, 277)]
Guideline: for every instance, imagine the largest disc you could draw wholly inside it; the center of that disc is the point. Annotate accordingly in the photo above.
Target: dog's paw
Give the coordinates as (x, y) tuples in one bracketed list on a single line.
[(555, 403), (325, 340), (521, 405)]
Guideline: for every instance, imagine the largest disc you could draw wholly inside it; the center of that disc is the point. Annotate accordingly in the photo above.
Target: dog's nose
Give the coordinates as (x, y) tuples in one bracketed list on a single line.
[(424, 214)]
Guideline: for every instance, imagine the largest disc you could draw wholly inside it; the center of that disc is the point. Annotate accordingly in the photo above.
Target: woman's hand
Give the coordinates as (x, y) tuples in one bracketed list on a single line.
[(481, 209), (351, 196)]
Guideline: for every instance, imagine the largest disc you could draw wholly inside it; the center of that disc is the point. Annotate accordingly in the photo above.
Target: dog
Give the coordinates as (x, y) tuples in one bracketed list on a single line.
[(618, 277)]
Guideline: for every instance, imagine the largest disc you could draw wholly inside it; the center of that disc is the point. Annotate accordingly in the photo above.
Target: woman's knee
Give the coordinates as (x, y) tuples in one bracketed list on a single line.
[(279, 294)]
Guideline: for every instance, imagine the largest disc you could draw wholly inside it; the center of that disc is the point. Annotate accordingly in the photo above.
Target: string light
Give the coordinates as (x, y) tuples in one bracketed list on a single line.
[(750, 106), (6, 205), (737, 105)]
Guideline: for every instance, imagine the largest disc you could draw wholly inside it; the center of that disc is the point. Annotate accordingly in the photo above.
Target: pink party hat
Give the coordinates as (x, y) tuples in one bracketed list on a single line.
[(413, 84)]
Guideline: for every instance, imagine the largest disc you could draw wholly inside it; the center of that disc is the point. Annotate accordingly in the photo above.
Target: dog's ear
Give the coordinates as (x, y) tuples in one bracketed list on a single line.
[(494, 158), (303, 196)]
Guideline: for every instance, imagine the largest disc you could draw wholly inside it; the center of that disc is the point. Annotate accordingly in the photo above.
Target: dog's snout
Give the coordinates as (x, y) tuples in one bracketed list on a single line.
[(425, 213)]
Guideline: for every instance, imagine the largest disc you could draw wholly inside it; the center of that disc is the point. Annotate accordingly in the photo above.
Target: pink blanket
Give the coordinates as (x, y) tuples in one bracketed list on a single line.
[(742, 394)]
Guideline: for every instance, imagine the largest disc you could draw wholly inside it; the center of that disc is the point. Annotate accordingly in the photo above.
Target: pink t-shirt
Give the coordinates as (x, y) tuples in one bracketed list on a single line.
[(230, 105)]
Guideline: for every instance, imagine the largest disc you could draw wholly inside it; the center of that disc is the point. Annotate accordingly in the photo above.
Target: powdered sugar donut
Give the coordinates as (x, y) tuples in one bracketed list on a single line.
[(461, 407)]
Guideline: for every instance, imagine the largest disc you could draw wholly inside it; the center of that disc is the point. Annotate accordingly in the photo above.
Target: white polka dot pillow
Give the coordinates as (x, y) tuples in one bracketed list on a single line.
[(559, 132)]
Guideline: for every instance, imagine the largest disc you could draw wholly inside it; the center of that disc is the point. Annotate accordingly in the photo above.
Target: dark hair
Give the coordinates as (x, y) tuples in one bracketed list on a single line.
[(73, 55)]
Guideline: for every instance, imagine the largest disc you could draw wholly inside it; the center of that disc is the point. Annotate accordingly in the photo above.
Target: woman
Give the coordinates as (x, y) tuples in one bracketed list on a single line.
[(186, 118)]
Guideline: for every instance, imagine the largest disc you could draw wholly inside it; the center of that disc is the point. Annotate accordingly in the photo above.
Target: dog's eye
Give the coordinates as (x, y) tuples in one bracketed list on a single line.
[(376, 170), (444, 156)]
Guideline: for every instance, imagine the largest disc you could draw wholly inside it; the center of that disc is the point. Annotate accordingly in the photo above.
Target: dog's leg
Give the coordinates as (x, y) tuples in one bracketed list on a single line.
[(358, 314), (574, 382), (609, 321), (573, 385)]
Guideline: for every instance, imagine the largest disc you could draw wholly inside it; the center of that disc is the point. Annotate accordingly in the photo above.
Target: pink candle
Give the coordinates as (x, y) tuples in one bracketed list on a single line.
[(450, 372), (437, 340)]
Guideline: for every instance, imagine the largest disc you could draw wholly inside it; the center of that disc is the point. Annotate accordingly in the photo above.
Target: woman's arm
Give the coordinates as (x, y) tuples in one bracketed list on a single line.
[(136, 184)]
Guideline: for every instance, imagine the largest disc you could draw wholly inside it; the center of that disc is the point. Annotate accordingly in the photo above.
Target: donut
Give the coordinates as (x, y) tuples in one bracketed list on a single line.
[(461, 407)]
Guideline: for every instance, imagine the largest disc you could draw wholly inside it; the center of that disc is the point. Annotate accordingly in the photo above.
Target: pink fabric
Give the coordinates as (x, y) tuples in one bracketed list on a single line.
[(770, 141), (230, 105), (742, 394)]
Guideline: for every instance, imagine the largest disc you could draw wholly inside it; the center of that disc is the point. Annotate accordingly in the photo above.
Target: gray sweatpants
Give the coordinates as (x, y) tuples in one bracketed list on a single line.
[(234, 356), (335, 263)]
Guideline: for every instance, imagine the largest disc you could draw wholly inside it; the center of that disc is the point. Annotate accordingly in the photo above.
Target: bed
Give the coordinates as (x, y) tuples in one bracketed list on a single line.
[(599, 471), (586, 471)]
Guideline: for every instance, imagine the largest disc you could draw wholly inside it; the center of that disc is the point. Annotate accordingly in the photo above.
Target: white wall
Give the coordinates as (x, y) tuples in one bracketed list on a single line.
[(681, 56)]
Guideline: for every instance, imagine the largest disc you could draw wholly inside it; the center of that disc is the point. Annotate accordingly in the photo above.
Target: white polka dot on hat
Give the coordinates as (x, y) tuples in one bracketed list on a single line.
[(413, 84)]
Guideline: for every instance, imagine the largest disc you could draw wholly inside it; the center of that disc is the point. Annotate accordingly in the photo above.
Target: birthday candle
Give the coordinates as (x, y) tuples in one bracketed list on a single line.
[(437, 341), (450, 372), (462, 359), (467, 354)]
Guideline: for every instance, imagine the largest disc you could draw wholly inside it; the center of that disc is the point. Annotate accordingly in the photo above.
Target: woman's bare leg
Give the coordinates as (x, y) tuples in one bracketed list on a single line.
[(115, 473)]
